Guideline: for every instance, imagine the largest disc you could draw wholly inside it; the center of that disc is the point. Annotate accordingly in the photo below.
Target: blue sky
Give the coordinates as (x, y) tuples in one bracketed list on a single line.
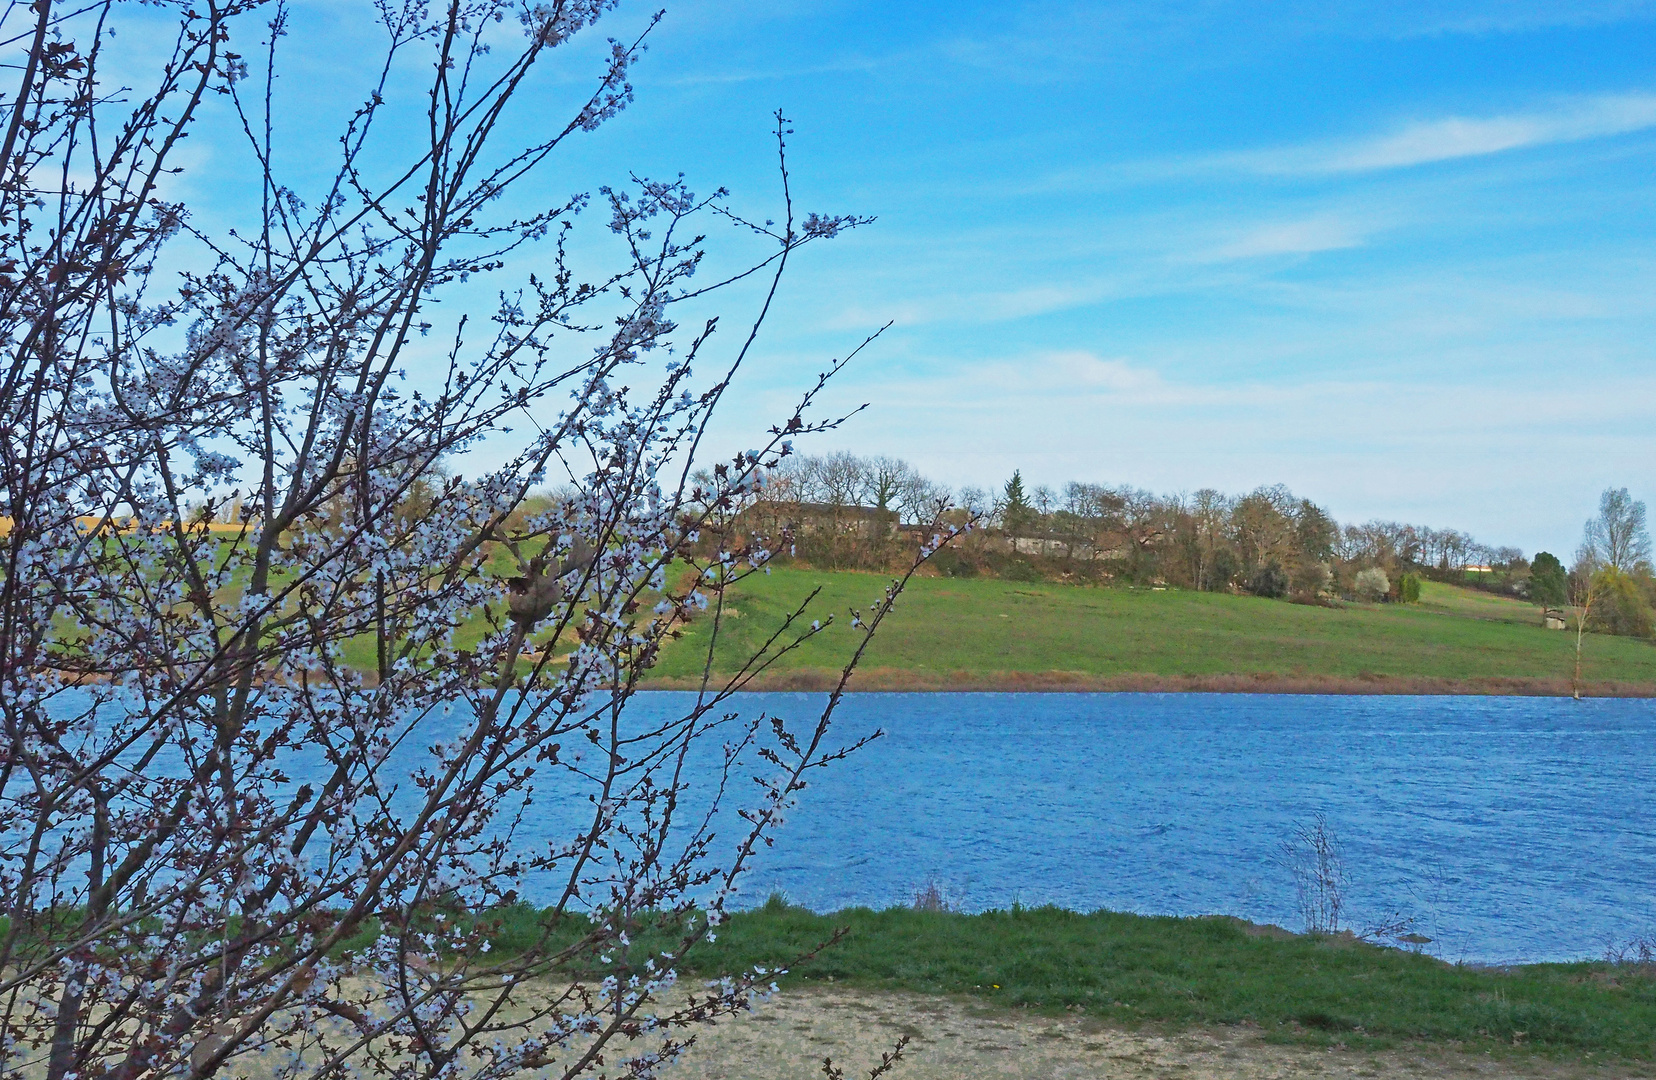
[(1397, 256)]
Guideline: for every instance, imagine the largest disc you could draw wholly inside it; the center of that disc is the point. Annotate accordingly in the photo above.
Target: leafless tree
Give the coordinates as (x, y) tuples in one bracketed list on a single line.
[(1261, 526), (1210, 510), (1586, 587), (279, 690), (883, 480), (976, 501), (920, 499), (1616, 536), (837, 479), (1044, 500)]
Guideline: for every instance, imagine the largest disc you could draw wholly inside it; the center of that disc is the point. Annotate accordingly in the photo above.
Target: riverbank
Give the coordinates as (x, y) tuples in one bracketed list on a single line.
[(1213, 988), (897, 680), (987, 634), (1160, 976)]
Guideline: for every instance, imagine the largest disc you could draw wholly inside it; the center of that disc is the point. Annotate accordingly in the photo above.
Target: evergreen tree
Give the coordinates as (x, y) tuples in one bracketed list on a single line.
[(1548, 584), (1016, 513)]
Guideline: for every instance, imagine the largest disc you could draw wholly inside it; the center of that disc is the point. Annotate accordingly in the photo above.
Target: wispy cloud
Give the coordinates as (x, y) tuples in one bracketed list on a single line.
[(1449, 138), (976, 307), (1302, 237), (774, 74)]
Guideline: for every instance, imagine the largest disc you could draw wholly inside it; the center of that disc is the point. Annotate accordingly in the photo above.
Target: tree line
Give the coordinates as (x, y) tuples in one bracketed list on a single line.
[(843, 510)]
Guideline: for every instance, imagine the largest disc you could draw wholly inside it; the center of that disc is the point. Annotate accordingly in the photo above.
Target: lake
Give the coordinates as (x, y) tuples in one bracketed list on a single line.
[(1509, 828)]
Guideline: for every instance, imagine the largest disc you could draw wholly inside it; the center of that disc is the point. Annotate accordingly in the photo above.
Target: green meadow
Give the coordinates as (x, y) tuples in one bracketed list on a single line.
[(947, 631)]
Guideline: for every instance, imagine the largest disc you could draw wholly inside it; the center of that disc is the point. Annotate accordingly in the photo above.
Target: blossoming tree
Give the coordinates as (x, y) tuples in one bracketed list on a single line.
[(286, 675)]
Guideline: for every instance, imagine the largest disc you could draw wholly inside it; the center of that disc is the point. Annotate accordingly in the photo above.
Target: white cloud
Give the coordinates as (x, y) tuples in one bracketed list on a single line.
[(984, 306), (1446, 139), (1302, 237), (1084, 371)]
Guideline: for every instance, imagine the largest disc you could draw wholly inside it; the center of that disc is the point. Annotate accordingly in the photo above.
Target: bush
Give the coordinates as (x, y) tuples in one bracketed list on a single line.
[(1408, 589), (1223, 571), (1310, 580), (1020, 570), (1372, 584), (1269, 580), (1621, 608), (951, 563)]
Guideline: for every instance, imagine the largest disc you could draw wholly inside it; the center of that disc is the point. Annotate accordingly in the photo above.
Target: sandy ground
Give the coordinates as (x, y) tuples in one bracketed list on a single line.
[(960, 1039)]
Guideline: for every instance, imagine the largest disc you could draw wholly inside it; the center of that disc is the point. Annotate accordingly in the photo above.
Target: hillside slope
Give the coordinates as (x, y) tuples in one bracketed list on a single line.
[(982, 633)]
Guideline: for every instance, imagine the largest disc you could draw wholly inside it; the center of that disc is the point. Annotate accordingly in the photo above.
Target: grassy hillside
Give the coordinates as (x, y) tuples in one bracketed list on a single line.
[(962, 632)]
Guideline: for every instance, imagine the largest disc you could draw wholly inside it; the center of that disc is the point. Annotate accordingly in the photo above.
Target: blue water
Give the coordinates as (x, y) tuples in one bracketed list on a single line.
[(1509, 828)]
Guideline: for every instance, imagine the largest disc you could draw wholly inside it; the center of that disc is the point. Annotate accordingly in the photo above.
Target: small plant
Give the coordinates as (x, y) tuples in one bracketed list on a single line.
[(1394, 927), (1312, 855), (931, 896), (1408, 589), (1639, 952)]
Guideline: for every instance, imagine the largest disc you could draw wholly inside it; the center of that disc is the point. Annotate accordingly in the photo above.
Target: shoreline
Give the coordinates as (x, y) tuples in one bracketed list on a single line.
[(897, 680)]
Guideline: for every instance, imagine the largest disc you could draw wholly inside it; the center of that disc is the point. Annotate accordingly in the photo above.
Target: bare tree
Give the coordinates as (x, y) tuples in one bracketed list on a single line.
[(1044, 500), (921, 499), (1210, 509), (1616, 536), (839, 479), (1586, 587), (883, 480), (976, 501), (1261, 526), (274, 721)]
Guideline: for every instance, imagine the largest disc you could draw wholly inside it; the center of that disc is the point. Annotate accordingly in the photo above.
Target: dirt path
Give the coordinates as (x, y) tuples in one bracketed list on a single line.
[(953, 1039)]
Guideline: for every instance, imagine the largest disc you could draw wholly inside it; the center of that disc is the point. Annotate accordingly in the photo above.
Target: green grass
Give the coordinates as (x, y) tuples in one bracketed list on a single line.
[(1475, 604), (1174, 972), (943, 626), (1161, 971), (1180, 971)]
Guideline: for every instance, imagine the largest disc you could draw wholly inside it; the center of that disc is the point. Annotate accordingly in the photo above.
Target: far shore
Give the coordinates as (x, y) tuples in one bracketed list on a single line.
[(897, 680)]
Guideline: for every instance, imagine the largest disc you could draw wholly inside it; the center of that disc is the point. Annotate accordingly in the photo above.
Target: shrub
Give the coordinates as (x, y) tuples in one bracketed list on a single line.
[(1408, 589), (1622, 608), (1372, 584), (1268, 580), (1223, 571), (1020, 570), (951, 563), (1310, 580)]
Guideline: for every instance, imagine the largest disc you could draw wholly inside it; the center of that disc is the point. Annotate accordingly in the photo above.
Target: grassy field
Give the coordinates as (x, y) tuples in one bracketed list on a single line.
[(1138, 970), (952, 632)]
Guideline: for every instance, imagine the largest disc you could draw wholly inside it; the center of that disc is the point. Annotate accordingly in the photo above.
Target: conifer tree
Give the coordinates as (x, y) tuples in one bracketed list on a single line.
[(1016, 513)]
